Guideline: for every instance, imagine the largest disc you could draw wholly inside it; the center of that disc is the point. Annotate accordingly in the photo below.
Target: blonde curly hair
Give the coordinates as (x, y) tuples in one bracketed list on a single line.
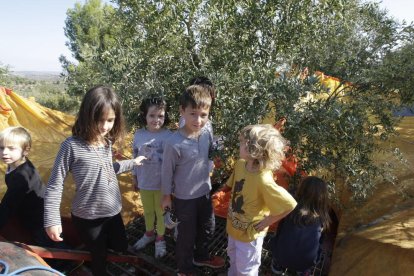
[(265, 145)]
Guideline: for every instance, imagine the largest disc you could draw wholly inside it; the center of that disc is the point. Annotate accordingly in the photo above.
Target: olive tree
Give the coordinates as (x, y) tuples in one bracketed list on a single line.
[(256, 52)]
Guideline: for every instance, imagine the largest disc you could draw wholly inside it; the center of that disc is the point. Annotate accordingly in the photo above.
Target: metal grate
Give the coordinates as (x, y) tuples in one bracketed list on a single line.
[(166, 265)]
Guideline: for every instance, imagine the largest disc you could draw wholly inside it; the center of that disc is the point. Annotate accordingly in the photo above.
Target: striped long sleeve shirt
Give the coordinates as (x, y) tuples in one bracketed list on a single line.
[(97, 191)]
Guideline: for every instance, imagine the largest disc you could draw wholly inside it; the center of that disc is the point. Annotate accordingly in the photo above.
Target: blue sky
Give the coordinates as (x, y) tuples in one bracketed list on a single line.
[(32, 36), (31, 32)]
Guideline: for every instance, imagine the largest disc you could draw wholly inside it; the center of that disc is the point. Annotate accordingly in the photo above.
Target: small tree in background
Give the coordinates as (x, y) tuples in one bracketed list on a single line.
[(4, 75), (254, 52), (92, 30)]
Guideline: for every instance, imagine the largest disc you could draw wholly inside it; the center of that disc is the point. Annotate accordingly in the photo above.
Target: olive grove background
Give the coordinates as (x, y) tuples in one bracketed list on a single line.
[(256, 53)]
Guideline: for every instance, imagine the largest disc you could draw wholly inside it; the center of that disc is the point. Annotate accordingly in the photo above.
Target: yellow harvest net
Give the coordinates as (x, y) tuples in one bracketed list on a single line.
[(48, 129)]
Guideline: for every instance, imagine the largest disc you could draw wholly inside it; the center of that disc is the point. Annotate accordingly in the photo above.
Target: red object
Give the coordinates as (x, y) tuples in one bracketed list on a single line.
[(218, 163), (221, 202), (290, 164), (8, 91), (281, 177), (119, 155), (5, 109), (78, 255), (280, 124)]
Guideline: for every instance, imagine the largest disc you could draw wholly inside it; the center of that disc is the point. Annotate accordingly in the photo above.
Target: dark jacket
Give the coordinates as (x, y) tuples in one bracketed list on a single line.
[(23, 197), (296, 247)]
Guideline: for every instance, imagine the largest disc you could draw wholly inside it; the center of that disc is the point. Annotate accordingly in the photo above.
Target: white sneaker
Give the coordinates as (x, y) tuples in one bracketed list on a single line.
[(160, 249), (143, 241)]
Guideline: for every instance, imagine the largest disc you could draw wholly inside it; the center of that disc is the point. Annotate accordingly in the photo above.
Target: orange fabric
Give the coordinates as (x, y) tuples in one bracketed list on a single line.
[(221, 201)]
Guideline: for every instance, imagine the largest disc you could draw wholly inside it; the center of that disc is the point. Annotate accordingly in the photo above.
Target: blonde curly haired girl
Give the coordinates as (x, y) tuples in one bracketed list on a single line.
[(256, 200)]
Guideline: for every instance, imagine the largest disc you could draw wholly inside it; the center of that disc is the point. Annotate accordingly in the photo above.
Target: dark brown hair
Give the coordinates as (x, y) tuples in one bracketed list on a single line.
[(160, 103), (196, 96), (313, 202), (95, 103), (207, 84)]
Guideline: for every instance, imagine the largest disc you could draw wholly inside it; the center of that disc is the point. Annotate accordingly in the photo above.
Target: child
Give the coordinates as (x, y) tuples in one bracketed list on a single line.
[(256, 200), (25, 190), (185, 173), (208, 85), (87, 154), (149, 142), (305, 223)]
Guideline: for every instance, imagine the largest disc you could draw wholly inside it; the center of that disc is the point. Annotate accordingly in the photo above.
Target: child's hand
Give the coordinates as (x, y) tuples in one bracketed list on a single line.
[(139, 159), (267, 221), (54, 232), (166, 202)]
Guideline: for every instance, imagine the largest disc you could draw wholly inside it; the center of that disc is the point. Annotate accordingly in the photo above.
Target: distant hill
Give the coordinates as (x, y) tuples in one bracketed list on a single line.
[(38, 75), (46, 87)]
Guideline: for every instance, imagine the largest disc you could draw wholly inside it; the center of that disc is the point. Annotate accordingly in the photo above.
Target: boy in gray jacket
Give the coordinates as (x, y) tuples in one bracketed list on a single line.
[(185, 174)]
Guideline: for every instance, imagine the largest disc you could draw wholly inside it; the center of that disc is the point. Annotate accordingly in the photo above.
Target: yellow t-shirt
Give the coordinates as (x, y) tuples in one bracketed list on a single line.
[(253, 196)]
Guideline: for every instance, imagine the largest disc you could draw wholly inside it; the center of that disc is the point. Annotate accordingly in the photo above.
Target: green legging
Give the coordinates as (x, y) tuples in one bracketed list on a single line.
[(151, 201)]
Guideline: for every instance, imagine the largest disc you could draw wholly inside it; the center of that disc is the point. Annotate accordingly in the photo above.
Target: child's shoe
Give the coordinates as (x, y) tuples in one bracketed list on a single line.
[(213, 262), (143, 241), (160, 249)]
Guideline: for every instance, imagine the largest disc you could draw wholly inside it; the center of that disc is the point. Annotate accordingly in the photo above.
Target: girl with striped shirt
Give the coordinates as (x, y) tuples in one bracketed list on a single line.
[(87, 154)]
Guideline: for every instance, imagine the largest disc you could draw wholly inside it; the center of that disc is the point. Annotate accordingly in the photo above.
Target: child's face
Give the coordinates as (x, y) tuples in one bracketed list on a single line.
[(12, 154), (195, 118), (106, 122), (244, 152), (155, 118)]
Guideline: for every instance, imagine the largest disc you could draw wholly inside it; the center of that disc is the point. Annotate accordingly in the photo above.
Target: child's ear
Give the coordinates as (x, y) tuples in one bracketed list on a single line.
[(26, 151), (181, 109)]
